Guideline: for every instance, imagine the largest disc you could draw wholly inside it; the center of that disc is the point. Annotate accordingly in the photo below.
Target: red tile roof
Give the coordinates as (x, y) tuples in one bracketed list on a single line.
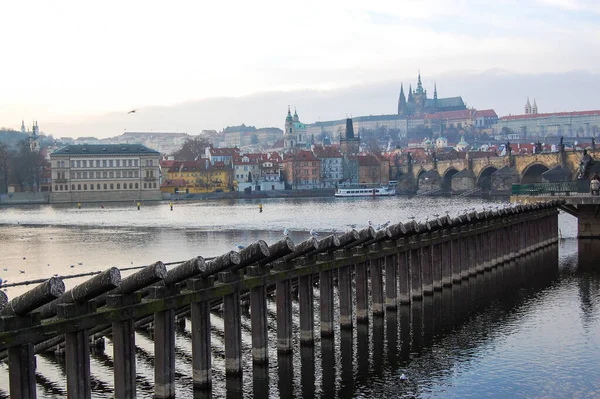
[(534, 116), (487, 113), (326, 152)]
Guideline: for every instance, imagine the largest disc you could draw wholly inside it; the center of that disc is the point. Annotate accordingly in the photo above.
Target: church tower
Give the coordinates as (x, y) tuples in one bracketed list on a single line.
[(295, 118), (34, 139), (527, 107), (420, 97), (534, 109), (23, 130), (411, 99), (401, 101), (289, 139)]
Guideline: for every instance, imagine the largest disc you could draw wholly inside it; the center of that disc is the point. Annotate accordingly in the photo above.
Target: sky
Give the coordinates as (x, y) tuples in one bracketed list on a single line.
[(78, 67)]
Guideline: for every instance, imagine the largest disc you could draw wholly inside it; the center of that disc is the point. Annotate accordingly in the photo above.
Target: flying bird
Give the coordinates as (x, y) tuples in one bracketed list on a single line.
[(133, 111)]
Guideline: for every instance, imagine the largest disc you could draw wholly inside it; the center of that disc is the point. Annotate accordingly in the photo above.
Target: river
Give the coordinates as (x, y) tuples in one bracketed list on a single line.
[(538, 336)]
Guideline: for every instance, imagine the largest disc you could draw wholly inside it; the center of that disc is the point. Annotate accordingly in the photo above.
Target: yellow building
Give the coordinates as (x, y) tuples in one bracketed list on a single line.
[(197, 177)]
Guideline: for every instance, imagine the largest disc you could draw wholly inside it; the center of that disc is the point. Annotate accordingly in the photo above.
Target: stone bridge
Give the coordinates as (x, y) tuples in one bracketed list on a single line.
[(491, 174)]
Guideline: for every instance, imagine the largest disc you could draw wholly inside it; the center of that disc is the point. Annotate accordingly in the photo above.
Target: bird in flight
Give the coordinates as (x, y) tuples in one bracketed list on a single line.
[(133, 111)]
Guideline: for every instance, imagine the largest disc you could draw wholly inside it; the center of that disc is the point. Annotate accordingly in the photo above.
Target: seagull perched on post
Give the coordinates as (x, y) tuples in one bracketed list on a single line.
[(239, 246), (314, 233), (133, 111), (286, 232)]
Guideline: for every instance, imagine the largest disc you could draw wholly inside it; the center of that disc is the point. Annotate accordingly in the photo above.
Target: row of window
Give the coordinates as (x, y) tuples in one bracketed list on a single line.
[(111, 174), (104, 163), (305, 172), (105, 186)]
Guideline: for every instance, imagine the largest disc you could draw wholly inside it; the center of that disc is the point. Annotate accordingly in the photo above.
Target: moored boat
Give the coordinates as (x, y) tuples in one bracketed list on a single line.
[(364, 190)]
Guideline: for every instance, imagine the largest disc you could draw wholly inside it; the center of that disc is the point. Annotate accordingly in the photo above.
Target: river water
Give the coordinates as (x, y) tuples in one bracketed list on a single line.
[(504, 334)]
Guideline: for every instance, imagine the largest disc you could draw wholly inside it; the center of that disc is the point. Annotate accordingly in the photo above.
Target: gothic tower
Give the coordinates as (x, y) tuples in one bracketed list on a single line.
[(534, 109), (527, 107), (420, 96), (401, 101), (410, 99), (349, 145)]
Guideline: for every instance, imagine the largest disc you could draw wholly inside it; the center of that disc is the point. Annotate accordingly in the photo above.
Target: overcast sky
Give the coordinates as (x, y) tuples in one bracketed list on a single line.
[(73, 63)]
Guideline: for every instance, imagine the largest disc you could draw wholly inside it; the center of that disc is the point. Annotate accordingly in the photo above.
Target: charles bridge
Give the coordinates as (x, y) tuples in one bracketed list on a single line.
[(492, 175)]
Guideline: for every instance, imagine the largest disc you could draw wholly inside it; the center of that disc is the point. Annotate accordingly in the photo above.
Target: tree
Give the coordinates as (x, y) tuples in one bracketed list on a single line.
[(192, 149), (28, 166), (6, 160)]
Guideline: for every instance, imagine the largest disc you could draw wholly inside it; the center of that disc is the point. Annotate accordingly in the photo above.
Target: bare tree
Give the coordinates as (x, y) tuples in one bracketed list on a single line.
[(192, 149), (6, 159)]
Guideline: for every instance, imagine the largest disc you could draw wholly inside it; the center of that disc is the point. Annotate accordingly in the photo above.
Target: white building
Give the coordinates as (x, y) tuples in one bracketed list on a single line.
[(103, 173), (331, 165)]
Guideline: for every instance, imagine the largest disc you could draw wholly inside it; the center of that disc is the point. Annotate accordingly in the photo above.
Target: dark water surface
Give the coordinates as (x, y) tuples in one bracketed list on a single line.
[(529, 330)]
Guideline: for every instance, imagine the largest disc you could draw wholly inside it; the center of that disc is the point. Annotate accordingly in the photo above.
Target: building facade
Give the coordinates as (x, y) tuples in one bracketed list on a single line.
[(103, 173), (540, 126), (302, 170), (331, 165)]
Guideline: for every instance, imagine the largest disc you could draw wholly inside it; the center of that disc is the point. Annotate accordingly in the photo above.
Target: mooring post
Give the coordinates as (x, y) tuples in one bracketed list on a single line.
[(201, 339), (233, 326), (283, 297), (465, 253), (307, 311), (391, 282), (481, 256), (436, 263), (362, 292), (164, 353), (345, 292), (123, 338), (377, 285), (416, 278), (21, 371), (474, 251), (77, 358), (404, 276), (326, 302), (426, 265), (446, 259), (455, 254), (258, 316)]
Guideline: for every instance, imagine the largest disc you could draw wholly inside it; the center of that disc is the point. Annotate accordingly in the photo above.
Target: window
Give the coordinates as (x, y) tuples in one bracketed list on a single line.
[(130, 173), (104, 174), (118, 186), (61, 187), (112, 186), (104, 163), (110, 163), (85, 186), (85, 175), (154, 185), (105, 186), (56, 188), (91, 186), (135, 162), (145, 185), (97, 163), (79, 187), (111, 174), (129, 162), (79, 175), (98, 186), (137, 173), (118, 162), (72, 164), (79, 164), (136, 185), (118, 174)]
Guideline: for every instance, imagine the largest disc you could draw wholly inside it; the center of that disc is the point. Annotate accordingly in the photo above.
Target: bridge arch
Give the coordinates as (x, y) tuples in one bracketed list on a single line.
[(533, 173), (447, 179), (484, 181)]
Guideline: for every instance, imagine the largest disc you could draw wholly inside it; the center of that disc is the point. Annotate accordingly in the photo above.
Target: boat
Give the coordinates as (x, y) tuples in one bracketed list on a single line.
[(364, 190)]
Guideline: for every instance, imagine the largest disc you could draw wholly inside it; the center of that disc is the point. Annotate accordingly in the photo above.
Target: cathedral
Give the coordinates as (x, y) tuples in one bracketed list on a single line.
[(295, 136), (418, 104)]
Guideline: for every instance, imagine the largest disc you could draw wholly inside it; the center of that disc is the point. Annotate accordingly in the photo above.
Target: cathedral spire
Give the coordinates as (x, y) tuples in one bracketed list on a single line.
[(528, 106), (419, 84), (410, 94), (434, 91), (401, 101)]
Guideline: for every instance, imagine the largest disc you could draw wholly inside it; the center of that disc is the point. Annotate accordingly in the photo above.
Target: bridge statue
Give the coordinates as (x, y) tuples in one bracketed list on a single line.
[(584, 165), (593, 143), (508, 149)]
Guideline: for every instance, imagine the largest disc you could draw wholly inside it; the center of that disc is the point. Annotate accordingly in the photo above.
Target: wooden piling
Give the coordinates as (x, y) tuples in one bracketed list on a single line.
[(284, 315), (436, 265), (77, 359), (377, 286), (33, 299), (391, 281), (201, 345), (416, 277), (404, 293), (307, 318), (21, 371), (362, 292), (446, 259), (326, 302), (345, 293), (426, 266), (164, 354)]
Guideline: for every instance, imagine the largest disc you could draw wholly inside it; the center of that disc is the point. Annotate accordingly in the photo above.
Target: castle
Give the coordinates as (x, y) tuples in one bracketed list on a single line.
[(418, 104)]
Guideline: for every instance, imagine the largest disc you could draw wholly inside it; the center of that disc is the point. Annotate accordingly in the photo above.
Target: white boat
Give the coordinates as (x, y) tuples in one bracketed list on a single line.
[(364, 191)]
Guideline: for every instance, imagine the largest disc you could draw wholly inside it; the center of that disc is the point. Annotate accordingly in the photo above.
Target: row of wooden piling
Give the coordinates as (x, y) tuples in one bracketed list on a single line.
[(405, 262)]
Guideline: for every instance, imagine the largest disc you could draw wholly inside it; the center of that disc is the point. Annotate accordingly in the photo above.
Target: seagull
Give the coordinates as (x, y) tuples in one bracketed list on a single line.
[(386, 224), (370, 223), (353, 225), (411, 217), (239, 246), (80, 263), (22, 271), (5, 269), (436, 215), (286, 232), (72, 266), (133, 111), (313, 233), (403, 377)]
